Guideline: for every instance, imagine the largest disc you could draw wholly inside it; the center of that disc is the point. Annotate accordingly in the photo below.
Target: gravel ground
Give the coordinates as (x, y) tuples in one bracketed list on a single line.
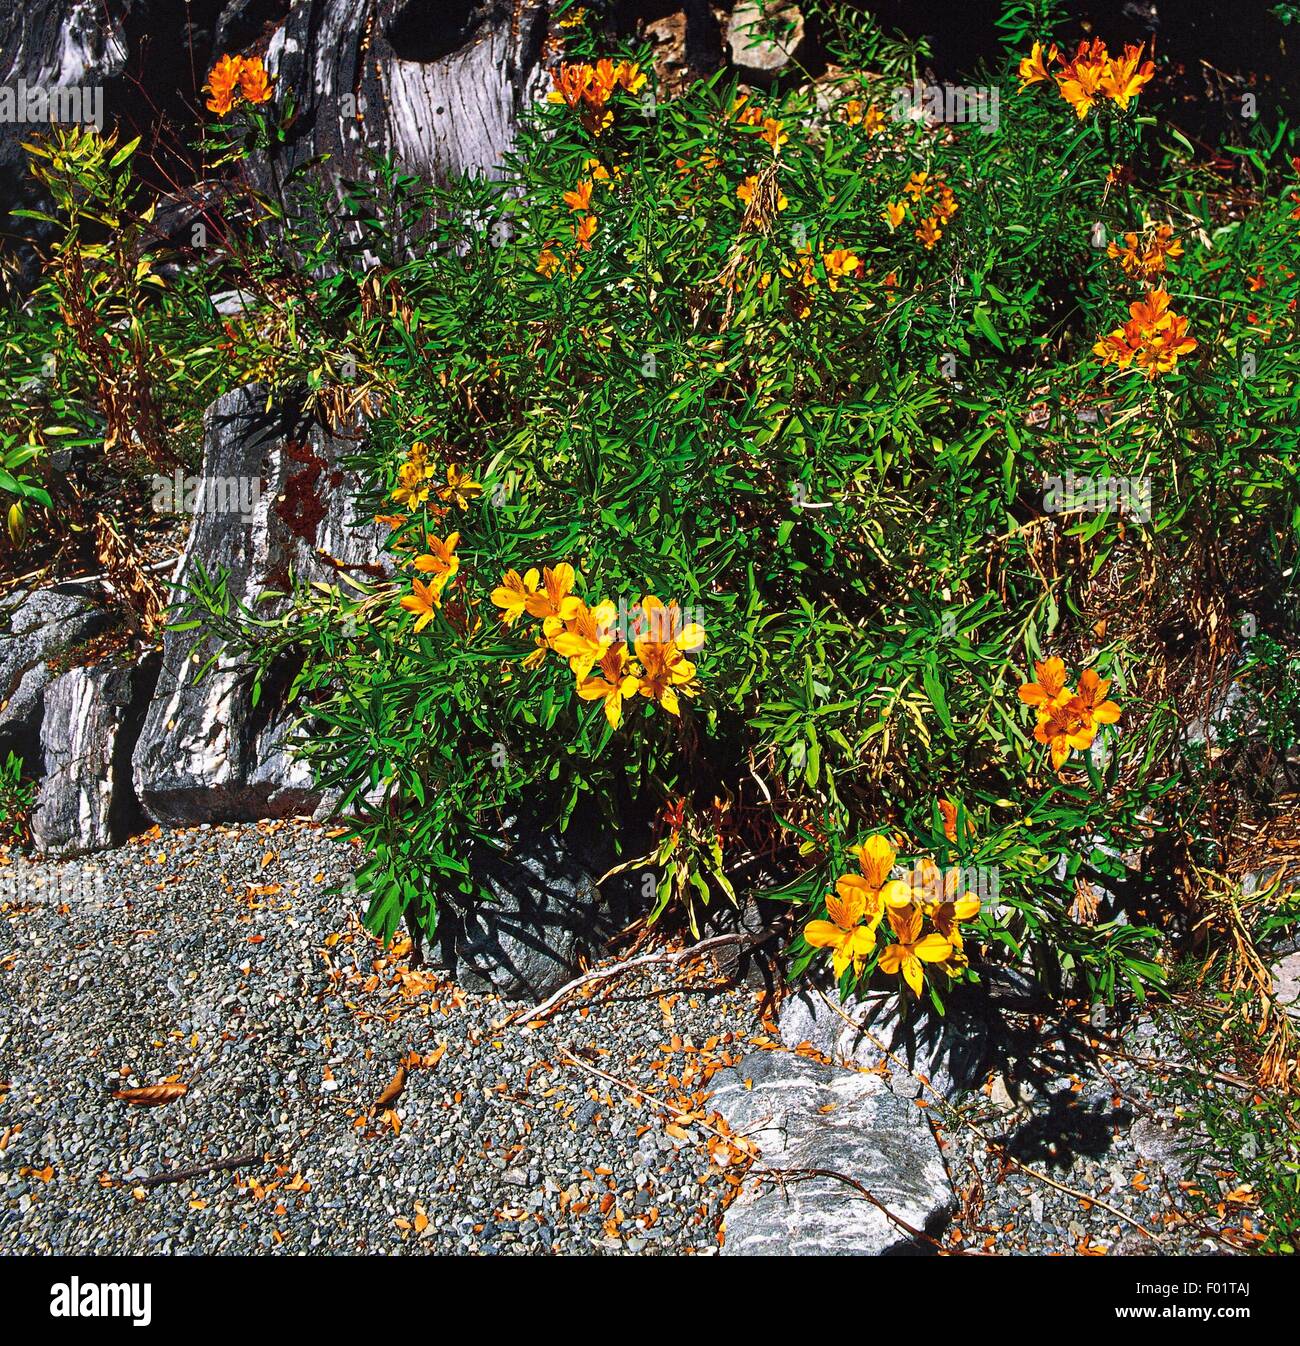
[(217, 957), (1080, 1112), (223, 957)]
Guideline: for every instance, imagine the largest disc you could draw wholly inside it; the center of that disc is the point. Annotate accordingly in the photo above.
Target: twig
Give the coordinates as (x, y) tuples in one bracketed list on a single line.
[(199, 1170), (614, 970)]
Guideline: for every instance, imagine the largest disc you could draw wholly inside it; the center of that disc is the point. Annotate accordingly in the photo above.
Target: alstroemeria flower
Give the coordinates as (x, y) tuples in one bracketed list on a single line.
[(911, 950), (554, 603), (412, 488), (441, 560), (223, 81), (579, 198), (513, 593), (665, 671), (254, 82), (1050, 690), (876, 858), (1126, 76), (850, 941), (615, 684), (1064, 729), (1033, 68), (460, 489), (586, 636), (423, 601), (894, 213), (1091, 699)]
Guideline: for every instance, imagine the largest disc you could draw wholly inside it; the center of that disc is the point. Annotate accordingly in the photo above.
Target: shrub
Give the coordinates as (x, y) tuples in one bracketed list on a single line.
[(747, 457)]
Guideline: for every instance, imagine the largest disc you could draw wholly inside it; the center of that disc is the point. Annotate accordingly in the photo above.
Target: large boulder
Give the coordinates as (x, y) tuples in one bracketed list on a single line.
[(36, 629), (811, 1118), (87, 801), (271, 509)]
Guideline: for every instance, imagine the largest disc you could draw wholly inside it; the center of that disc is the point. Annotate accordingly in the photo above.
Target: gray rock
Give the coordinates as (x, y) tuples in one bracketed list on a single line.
[(87, 800), (804, 1115), (547, 913), (952, 1053), (765, 35), (273, 510), (1286, 983), (36, 627)]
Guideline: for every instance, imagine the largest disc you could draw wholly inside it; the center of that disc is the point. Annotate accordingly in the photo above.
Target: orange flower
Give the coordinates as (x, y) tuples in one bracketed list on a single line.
[(1126, 76), (839, 262), (584, 232), (548, 263), (1144, 260), (223, 81), (876, 858), (1064, 729), (929, 232), (586, 636), (1091, 700), (1081, 79), (1050, 690), (911, 950), (423, 601), (918, 185), (894, 213), (441, 560), (1033, 68), (579, 198), (774, 133), (254, 82)]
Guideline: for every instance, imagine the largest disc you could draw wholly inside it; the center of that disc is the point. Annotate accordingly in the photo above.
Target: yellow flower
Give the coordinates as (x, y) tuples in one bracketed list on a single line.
[(773, 133), (911, 951), (745, 192), (615, 684), (665, 670), (1064, 729), (548, 263), (460, 488), (1081, 80), (513, 593), (554, 603), (541, 648), (918, 186), (876, 858), (894, 213), (850, 941), (412, 488), (586, 636), (441, 560), (662, 623), (424, 601), (631, 76), (839, 262)]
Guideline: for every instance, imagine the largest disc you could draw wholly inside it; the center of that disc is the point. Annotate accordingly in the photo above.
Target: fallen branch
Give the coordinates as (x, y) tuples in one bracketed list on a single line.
[(201, 1170), (598, 975)]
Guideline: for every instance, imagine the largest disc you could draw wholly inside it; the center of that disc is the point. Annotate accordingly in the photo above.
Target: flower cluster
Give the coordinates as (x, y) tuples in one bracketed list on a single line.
[(1147, 256), (579, 201), (838, 264), (440, 563), (861, 901), (930, 201), (1091, 75), (415, 478), (604, 668), (590, 87), (866, 115), (1153, 339), (234, 78), (769, 129), (1067, 720)]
